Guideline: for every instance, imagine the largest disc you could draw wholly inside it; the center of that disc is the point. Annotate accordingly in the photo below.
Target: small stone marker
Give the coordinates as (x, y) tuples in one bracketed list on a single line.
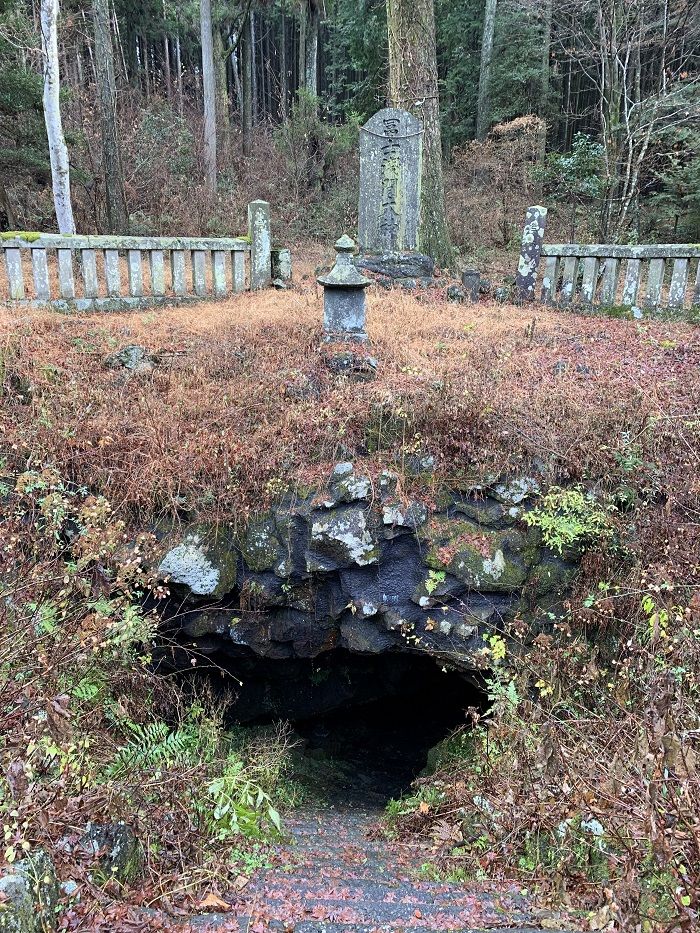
[(471, 281), (533, 238), (260, 244), (282, 266), (391, 146), (344, 311)]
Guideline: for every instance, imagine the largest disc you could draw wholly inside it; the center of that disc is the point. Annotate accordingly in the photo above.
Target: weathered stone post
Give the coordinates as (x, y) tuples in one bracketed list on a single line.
[(260, 244), (533, 238), (471, 282), (344, 311)]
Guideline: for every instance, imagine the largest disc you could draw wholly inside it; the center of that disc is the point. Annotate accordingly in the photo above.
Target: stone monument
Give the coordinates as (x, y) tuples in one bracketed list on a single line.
[(391, 147)]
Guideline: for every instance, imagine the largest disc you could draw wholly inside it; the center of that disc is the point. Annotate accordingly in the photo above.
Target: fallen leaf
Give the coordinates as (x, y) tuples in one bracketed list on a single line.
[(213, 902)]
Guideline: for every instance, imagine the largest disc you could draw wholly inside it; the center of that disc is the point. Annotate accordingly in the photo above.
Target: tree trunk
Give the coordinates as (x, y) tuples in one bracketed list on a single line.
[(178, 66), (413, 86), (543, 108), (483, 111), (6, 208), (284, 77), (254, 69), (247, 122), (209, 90), (166, 62), (301, 58), (311, 63), (117, 217), (222, 98), (58, 153)]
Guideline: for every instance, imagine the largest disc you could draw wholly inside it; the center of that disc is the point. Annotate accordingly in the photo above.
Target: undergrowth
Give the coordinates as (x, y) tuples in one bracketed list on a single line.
[(88, 732), (583, 780)]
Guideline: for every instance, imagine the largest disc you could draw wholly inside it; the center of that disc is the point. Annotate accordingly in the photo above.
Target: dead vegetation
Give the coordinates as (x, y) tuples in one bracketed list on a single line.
[(240, 401)]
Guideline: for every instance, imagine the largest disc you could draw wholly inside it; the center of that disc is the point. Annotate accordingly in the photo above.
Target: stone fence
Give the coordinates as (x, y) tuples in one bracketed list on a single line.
[(634, 279), (41, 268)]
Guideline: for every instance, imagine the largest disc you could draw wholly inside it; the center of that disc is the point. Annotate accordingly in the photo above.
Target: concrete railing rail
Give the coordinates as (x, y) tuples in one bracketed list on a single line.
[(635, 278), (84, 273)]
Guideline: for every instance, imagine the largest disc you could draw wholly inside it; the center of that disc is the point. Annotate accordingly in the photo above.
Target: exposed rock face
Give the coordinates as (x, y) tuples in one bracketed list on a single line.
[(354, 567)]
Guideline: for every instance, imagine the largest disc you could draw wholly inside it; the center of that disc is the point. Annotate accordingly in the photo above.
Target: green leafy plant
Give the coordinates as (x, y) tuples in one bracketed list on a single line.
[(238, 805), (570, 518)]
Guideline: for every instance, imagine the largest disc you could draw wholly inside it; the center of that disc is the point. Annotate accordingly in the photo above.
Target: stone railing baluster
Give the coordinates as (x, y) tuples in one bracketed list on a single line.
[(199, 272), (630, 288), (178, 272), (568, 280), (238, 271), (611, 276), (655, 282), (113, 274), (91, 288), (15, 275), (550, 280), (66, 279), (135, 273), (590, 279), (679, 284), (219, 273), (157, 261), (40, 273)]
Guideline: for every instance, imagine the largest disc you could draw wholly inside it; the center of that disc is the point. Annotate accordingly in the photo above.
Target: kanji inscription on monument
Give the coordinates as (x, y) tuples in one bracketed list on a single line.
[(391, 145)]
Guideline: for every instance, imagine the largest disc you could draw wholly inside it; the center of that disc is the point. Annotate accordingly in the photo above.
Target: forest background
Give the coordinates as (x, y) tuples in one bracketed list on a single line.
[(591, 106)]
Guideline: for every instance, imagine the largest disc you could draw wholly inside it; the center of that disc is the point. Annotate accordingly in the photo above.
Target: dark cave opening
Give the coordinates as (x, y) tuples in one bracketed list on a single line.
[(374, 716)]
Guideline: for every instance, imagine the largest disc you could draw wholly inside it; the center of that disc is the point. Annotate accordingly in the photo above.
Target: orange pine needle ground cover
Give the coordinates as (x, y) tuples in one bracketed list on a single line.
[(242, 402)]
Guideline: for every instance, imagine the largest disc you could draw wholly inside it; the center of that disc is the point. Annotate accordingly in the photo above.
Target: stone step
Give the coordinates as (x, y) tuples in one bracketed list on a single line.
[(210, 923)]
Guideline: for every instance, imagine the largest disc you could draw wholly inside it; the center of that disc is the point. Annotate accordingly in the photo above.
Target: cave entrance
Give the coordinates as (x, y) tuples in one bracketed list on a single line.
[(375, 717)]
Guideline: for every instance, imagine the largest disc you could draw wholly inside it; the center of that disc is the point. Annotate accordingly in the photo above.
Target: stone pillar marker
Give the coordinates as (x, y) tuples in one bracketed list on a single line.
[(260, 244), (391, 150), (344, 306), (533, 238)]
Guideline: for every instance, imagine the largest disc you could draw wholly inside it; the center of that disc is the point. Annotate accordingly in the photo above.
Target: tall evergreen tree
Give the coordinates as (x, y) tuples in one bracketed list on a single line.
[(483, 116), (117, 218), (209, 91), (413, 85)]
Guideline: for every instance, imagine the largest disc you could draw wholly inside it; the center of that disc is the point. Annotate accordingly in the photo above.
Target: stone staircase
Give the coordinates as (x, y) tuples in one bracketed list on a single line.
[(336, 873)]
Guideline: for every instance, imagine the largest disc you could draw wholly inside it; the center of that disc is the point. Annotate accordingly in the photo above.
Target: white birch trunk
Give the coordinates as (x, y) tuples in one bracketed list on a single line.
[(58, 153)]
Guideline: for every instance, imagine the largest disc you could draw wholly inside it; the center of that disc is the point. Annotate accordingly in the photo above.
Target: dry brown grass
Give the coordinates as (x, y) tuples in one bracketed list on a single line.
[(242, 401)]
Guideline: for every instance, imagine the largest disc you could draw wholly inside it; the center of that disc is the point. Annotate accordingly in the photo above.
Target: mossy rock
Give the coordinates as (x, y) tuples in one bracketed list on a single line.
[(551, 577), (455, 748), (492, 561), (30, 896), (204, 561), (341, 538), (261, 547), (119, 853)]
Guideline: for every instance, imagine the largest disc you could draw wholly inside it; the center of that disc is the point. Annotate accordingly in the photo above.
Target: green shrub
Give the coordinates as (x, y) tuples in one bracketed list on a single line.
[(570, 518)]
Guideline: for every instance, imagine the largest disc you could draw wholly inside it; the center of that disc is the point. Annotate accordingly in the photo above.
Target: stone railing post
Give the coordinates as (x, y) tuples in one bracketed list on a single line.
[(260, 244), (533, 238)]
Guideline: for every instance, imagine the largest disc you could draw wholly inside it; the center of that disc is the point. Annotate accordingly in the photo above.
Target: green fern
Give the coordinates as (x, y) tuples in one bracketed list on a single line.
[(154, 746)]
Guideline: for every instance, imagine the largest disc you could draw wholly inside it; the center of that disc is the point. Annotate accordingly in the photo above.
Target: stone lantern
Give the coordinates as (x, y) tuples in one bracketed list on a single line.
[(344, 306)]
